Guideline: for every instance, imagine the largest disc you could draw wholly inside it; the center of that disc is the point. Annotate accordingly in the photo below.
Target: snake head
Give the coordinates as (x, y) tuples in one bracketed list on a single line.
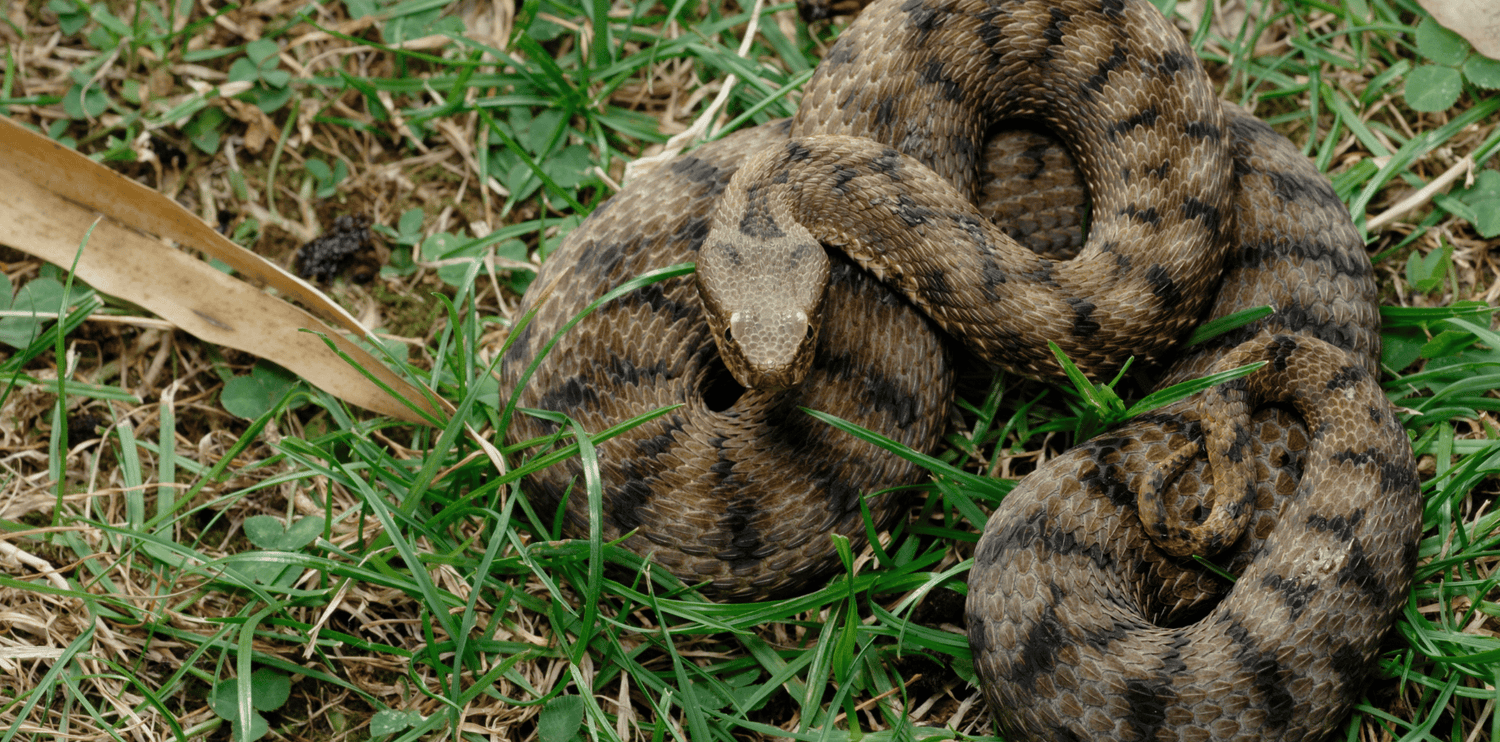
[(763, 291)]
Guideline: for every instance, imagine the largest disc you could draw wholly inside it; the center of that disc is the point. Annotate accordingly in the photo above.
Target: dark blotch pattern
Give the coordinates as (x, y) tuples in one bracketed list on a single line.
[(1037, 155), (842, 174), (1084, 324), (1335, 259), (623, 502), (1347, 377), (1147, 216), (923, 19), (1173, 61), (656, 298), (1271, 679), (1054, 31), (912, 213), (885, 112), (1340, 527), (694, 170), (578, 391), (745, 543), (1146, 118), (1100, 78), (1293, 594), (1293, 188), (1201, 130), (1106, 479), (888, 164), (1148, 701), (1163, 287), (757, 222), (841, 54), (1192, 208), (934, 73), (1038, 650)]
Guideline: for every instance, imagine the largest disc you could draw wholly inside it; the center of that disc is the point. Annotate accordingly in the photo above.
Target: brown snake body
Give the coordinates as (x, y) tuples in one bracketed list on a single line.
[(1069, 592), (1086, 629), (736, 487), (1136, 108)]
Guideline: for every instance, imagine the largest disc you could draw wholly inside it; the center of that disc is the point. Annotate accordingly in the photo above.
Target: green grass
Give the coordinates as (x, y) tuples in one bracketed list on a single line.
[(221, 570)]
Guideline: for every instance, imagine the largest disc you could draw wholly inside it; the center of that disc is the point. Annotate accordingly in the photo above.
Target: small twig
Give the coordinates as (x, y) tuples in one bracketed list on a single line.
[(869, 702), (599, 171), (37, 563), (301, 231), (1423, 196), (118, 319)]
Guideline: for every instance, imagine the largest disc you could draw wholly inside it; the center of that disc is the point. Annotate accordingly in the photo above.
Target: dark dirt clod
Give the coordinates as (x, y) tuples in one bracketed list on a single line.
[(327, 256), (84, 426)]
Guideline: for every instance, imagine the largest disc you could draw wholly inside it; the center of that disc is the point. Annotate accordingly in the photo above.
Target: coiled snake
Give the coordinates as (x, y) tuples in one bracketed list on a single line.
[(1069, 595)]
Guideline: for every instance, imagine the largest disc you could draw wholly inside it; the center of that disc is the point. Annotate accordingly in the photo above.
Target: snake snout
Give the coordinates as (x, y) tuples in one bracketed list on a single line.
[(774, 347)]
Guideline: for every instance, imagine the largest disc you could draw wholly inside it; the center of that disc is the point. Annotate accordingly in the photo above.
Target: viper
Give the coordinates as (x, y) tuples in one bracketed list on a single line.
[(1084, 617)]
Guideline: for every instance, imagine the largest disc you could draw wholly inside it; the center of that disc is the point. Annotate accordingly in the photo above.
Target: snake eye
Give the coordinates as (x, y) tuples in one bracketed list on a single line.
[(728, 335), (809, 332)]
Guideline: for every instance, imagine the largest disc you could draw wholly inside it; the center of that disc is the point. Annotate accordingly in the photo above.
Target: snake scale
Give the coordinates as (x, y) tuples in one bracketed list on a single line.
[(1083, 625)]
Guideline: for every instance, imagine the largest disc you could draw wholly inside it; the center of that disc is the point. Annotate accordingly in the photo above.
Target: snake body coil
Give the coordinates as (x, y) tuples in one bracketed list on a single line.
[(926, 80), (1086, 629), (737, 488), (1069, 592)]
